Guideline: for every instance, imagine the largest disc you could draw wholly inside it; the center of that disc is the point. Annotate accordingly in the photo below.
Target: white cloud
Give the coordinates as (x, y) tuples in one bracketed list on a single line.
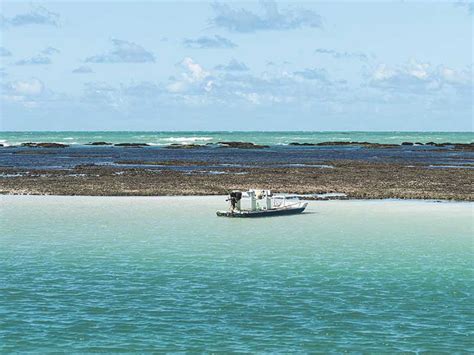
[(209, 42), (123, 52), (197, 72), (30, 87), (193, 79), (25, 92), (233, 66), (419, 78), (383, 72), (84, 69), (419, 70), (456, 77), (37, 15), (269, 19)]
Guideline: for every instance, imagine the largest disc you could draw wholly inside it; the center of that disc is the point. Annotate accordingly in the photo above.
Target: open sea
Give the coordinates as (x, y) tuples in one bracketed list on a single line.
[(203, 137), (213, 158), (135, 274)]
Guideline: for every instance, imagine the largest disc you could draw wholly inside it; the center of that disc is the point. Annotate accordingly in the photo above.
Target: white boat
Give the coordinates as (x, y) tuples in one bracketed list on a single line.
[(261, 203)]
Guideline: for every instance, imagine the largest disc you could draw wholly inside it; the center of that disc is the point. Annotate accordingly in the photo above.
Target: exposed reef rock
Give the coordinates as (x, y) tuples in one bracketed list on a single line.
[(131, 145), (183, 146), (164, 163), (342, 144), (359, 180), (302, 144), (99, 143), (465, 147), (242, 145), (44, 145)]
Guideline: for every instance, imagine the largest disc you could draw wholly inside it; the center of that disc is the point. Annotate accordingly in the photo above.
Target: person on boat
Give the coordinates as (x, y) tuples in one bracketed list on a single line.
[(233, 202)]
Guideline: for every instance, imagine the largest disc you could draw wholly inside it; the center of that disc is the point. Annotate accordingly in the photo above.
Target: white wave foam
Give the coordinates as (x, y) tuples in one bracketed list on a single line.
[(187, 139)]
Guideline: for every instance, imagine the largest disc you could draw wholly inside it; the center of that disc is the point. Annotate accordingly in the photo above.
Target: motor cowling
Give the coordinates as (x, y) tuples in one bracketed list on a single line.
[(237, 195)]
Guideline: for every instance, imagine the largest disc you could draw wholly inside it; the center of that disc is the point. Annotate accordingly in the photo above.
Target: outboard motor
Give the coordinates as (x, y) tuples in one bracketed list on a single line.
[(235, 197)]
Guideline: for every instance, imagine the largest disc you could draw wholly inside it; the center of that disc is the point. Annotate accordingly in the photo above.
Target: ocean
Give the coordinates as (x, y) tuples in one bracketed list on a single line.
[(135, 274), (212, 157), (203, 137)]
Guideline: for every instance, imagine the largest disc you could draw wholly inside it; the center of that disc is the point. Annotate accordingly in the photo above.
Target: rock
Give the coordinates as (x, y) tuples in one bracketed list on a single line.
[(464, 146), (242, 145), (1, 145), (44, 145), (302, 144), (380, 145), (407, 143), (131, 145), (99, 143), (183, 146), (336, 143), (419, 143), (363, 144), (33, 152)]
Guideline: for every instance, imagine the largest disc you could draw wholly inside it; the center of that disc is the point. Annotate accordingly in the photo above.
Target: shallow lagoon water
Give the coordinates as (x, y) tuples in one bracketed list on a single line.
[(164, 274)]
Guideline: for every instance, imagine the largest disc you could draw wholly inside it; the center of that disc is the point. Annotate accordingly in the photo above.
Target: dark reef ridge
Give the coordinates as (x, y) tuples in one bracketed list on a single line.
[(342, 144), (250, 145), (44, 145), (98, 143), (456, 146), (242, 145), (131, 145), (184, 146)]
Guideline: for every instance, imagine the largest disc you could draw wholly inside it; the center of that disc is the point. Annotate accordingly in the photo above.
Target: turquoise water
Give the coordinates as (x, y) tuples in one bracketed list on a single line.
[(270, 138), (83, 274)]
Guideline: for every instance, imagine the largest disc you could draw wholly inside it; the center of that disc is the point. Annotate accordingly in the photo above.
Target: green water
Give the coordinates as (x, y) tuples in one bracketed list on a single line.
[(203, 137), (85, 274)]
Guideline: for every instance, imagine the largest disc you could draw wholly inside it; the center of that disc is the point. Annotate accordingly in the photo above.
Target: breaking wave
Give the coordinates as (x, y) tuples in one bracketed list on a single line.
[(187, 139)]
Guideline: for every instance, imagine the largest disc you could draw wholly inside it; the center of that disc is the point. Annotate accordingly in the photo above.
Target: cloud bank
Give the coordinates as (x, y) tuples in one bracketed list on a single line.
[(313, 74), (341, 55), (24, 92), (123, 52), (4, 52), (233, 65), (38, 15), (43, 58), (271, 18), (209, 42), (83, 70), (35, 60), (420, 78)]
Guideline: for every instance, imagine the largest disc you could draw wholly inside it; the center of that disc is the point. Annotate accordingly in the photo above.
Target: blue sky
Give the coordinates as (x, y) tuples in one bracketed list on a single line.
[(263, 65)]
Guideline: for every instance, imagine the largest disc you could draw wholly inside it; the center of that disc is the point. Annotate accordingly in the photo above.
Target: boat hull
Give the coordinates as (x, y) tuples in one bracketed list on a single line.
[(264, 213)]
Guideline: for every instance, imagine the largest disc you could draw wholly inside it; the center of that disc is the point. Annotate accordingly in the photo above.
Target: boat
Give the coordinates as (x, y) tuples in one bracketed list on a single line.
[(261, 203)]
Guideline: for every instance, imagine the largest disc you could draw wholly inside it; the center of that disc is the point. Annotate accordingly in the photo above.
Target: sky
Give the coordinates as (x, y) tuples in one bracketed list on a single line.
[(224, 65)]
